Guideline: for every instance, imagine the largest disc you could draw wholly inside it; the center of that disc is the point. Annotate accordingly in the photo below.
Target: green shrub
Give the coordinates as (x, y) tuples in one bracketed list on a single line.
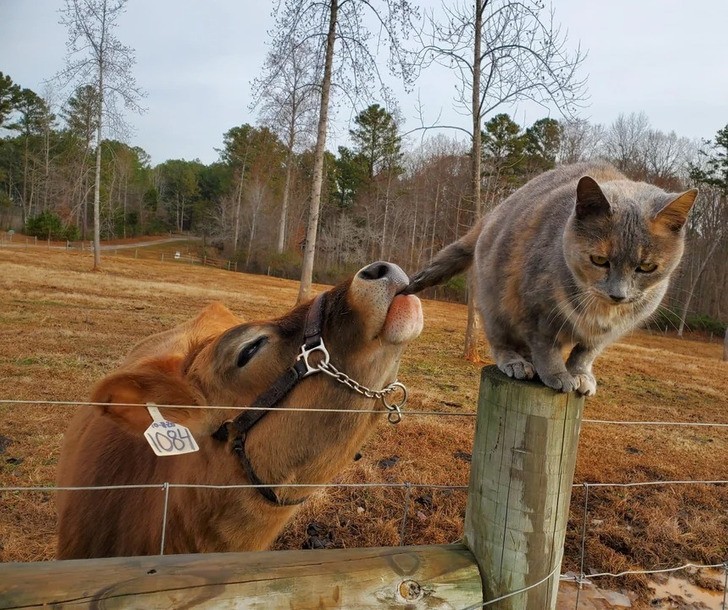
[(455, 289), (705, 324), (46, 225), (666, 319), (157, 226), (286, 264)]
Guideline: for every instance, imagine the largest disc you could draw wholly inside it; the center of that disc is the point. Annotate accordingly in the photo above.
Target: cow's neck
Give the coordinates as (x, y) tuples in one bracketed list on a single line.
[(308, 448)]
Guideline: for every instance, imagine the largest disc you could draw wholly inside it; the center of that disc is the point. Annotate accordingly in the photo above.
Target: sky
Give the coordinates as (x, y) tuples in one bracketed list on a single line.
[(197, 59)]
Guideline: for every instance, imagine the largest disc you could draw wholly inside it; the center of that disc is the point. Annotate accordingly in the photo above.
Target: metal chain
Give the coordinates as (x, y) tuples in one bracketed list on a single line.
[(394, 408)]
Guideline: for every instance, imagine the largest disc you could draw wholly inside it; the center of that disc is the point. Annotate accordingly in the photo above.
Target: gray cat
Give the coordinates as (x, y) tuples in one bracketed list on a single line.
[(567, 264)]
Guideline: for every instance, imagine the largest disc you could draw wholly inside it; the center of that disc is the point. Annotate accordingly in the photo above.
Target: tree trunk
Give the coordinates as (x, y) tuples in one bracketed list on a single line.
[(725, 346), (97, 196), (383, 250), (318, 164), (414, 229), (253, 223), (100, 59), (25, 209), (693, 284), (286, 193), (238, 206), (470, 351), (126, 197)]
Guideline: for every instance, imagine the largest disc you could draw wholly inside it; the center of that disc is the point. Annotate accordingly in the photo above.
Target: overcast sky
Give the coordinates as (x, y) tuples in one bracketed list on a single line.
[(196, 60)]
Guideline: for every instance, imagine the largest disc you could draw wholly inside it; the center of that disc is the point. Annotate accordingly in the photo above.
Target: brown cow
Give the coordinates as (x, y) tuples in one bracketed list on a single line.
[(216, 360)]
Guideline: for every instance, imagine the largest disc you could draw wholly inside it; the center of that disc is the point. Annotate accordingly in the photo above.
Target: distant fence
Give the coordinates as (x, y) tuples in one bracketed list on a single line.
[(518, 504), (148, 250)]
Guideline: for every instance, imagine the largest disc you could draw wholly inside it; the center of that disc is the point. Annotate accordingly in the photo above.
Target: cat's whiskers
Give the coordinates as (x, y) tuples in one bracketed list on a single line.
[(570, 307)]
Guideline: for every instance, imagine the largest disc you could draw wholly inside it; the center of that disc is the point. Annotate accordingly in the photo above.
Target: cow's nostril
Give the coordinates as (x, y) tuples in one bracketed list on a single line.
[(375, 271)]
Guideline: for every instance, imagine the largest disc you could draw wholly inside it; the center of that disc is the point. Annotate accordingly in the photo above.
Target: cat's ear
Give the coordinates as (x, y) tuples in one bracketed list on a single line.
[(674, 214), (590, 201)]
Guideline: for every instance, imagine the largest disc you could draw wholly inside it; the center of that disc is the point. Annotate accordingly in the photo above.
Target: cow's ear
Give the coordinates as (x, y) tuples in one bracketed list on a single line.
[(159, 381)]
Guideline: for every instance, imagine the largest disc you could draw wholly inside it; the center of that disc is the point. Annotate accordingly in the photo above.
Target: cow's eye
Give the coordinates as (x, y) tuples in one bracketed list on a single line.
[(250, 350)]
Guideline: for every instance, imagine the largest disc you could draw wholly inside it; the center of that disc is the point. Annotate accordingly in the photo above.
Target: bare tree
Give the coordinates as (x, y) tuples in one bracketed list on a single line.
[(352, 70), (503, 52), (580, 141), (624, 143), (287, 99), (97, 58), (665, 156)]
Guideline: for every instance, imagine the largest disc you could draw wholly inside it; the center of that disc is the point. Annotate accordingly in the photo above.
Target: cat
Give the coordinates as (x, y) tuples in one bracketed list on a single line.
[(567, 264)]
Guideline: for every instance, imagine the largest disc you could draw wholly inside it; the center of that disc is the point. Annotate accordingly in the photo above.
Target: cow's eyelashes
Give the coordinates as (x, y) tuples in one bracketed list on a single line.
[(250, 350)]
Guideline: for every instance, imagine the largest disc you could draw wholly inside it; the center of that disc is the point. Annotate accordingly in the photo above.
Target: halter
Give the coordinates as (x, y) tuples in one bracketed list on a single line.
[(313, 344)]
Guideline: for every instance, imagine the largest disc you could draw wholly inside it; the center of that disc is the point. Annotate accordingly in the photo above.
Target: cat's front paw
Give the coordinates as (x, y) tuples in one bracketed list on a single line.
[(587, 384), (563, 382)]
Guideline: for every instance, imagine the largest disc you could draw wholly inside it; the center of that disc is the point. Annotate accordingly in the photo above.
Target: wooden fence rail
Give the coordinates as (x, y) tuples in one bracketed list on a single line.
[(518, 503), (398, 577)]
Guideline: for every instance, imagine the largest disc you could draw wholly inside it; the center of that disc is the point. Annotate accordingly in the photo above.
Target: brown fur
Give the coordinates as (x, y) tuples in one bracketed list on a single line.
[(196, 364), (539, 291)]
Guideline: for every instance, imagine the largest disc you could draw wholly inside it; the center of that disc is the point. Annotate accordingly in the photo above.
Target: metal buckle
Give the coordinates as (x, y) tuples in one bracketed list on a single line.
[(306, 353)]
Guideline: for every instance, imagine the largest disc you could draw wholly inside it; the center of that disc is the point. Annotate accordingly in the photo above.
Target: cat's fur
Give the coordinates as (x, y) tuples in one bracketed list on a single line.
[(540, 293)]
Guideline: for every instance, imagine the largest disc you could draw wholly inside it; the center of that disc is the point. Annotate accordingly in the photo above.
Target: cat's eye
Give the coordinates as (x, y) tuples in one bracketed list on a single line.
[(600, 261), (250, 350), (646, 267)]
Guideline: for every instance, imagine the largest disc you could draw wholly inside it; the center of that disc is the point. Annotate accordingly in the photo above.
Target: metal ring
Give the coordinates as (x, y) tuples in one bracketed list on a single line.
[(393, 387)]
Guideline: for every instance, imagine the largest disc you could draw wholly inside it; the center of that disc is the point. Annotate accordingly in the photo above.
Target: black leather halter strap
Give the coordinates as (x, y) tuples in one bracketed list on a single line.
[(244, 422)]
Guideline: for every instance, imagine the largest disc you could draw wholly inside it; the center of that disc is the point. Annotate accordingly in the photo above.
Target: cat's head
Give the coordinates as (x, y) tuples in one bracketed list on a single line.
[(624, 239)]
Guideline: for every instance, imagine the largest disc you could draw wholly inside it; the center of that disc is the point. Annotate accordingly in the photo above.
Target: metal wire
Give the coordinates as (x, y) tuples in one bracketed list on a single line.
[(518, 592), (653, 571), (652, 483), (77, 403), (583, 542), (164, 517), (53, 488), (69, 403), (408, 487)]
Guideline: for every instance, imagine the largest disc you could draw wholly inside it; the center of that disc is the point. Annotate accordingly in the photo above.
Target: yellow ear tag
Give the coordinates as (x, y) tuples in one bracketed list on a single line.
[(166, 437)]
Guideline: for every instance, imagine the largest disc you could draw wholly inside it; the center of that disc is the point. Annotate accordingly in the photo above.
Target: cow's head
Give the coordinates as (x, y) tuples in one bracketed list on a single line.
[(366, 323)]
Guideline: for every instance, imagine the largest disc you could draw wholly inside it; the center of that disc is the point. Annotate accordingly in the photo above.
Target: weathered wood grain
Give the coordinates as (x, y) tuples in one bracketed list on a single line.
[(397, 577), (522, 471)]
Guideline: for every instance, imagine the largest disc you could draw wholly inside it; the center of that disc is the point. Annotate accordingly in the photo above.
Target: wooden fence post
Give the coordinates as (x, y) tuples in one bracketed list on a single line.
[(521, 476)]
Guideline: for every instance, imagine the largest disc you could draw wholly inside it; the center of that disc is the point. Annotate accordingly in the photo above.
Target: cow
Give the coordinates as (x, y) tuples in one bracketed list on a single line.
[(339, 354)]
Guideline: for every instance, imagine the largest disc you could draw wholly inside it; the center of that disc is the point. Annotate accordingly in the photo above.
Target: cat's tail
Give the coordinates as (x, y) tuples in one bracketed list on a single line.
[(449, 261)]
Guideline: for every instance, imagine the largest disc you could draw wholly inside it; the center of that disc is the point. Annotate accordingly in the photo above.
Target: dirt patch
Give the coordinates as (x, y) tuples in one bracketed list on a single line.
[(62, 328)]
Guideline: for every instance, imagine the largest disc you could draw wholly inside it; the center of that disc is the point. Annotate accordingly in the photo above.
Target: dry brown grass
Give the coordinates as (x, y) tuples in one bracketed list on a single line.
[(63, 327)]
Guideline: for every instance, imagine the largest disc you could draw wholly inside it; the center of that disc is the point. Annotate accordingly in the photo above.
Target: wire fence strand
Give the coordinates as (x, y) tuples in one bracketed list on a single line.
[(76, 403)]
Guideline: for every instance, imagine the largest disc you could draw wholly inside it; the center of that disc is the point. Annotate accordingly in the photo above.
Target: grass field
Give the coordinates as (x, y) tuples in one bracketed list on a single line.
[(62, 328)]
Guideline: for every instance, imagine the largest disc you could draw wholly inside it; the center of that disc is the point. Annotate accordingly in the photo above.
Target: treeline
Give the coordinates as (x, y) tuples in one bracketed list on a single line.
[(385, 196)]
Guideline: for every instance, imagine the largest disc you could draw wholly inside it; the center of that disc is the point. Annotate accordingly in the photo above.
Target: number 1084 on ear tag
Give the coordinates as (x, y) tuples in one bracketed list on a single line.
[(168, 438)]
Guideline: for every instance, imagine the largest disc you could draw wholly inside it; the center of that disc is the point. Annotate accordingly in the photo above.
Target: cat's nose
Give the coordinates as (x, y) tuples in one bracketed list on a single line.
[(617, 298)]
